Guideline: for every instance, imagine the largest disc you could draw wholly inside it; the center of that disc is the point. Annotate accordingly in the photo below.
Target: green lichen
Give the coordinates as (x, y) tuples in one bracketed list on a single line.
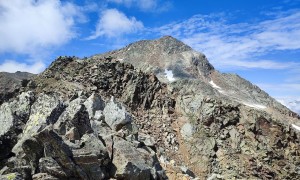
[(11, 176), (34, 121)]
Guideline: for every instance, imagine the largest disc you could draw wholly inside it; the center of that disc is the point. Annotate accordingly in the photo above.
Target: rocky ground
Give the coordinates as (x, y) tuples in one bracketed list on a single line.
[(100, 118)]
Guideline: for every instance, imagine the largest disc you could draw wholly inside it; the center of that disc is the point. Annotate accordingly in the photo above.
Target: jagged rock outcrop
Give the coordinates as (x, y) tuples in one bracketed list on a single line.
[(101, 118), (59, 141)]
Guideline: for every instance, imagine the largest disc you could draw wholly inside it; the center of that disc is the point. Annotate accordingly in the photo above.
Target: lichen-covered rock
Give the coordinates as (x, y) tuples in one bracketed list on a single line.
[(43, 176), (75, 115), (94, 106), (115, 115), (11, 176), (60, 141), (44, 111), (187, 131), (134, 163), (13, 117)]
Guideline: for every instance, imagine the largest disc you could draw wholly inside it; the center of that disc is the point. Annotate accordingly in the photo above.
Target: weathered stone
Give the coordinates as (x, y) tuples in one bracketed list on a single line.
[(73, 134), (11, 176), (44, 111), (55, 147), (94, 105), (146, 139), (12, 118), (75, 115), (48, 165), (233, 135), (187, 131), (115, 115), (43, 176), (134, 163)]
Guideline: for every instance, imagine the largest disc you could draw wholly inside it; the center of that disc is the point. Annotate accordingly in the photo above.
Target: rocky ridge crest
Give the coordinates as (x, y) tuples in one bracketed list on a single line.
[(101, 118)]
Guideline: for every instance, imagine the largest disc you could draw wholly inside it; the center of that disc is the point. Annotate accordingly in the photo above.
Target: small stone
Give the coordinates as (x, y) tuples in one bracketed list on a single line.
[(73, 134)]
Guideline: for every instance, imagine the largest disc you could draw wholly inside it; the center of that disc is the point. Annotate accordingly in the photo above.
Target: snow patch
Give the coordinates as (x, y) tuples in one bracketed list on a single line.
[(120, 59), (169, 75), (257, 106), (216, 87), (296, 127)]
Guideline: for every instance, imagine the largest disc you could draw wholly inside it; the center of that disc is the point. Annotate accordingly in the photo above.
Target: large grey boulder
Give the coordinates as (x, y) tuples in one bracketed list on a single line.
[(116, 115), (75, 115), (135, 163), (44, 111), (92, 157), (94, 106)]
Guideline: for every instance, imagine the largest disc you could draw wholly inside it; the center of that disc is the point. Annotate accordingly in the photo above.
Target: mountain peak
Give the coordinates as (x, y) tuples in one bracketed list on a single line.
[(169, 42), (169, 39), (166, 54)]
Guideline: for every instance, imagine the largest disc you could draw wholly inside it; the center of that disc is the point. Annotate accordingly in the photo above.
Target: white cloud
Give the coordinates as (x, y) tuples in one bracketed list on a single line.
[(13, 66), (29, 26), (240, 45), (145, 5), (114, 23)]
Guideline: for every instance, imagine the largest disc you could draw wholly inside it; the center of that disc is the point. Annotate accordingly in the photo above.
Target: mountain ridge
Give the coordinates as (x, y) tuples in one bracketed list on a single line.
[(186, 63), (95, 113)]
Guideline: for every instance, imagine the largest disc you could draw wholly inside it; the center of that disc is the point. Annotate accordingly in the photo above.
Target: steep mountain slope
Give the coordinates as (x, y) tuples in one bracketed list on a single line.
[(101, 118), (170, 60)]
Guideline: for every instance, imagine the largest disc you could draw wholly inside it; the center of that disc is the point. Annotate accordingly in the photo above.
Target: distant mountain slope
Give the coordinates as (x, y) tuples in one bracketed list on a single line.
[(12, 82)]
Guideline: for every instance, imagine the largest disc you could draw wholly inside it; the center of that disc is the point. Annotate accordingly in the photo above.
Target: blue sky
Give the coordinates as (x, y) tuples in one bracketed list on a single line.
[(257, 39)]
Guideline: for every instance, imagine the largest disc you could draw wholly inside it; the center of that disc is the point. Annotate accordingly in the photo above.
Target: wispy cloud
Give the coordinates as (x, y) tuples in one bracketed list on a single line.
[(113, 23), (13, 66), (145, 5), (239, 45)]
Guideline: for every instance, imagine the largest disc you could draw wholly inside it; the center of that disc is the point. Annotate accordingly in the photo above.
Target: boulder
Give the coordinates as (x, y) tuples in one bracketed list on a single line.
[(115, 115), (44, 111), (94, 105), (187, 131), (75, 115), (13, 117), (92, 157), (134, 163)]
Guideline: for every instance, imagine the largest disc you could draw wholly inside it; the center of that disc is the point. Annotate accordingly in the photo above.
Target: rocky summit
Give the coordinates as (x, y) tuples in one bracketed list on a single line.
[(155, 109)]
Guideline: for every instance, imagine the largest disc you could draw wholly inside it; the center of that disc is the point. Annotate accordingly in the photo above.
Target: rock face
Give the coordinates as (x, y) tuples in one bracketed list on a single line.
[(101, 118), (59, 142)]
